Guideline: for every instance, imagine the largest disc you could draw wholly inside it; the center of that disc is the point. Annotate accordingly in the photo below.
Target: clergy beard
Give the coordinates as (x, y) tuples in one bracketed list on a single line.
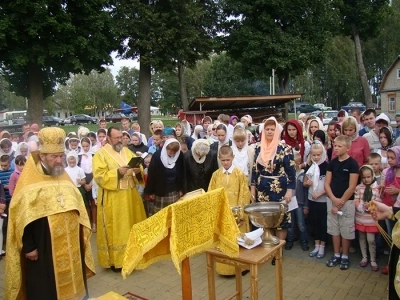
[(56, 170), (118, 146)]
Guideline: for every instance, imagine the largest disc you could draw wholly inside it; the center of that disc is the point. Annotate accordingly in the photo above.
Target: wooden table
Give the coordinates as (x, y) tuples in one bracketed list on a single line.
[(247, 259)]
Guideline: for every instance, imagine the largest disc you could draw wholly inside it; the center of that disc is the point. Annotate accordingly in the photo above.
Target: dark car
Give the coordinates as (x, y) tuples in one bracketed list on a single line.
[(115, 117), (353, 105), (51, 121), (83, 119), (306, 108)]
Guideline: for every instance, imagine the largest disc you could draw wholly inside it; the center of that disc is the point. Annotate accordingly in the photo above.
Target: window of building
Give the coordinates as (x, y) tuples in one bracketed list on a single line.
[(58, 114), (398, 73), (392, 104)]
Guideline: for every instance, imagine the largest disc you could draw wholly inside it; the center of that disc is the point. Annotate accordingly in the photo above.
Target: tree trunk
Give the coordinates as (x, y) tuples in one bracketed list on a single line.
[(361, 67), (283, 87), (144, 98), (35, 86), (182, 87)]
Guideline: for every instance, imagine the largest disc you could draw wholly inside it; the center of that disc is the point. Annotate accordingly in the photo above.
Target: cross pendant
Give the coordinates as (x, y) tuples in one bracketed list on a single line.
[(60, 199)]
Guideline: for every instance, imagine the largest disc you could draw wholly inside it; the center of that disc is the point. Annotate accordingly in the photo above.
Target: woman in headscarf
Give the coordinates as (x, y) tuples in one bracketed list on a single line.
[(312, 127), (196, 132), (126, 138), (212, 133), (6, 149), (165, 181), (233, 120), (137, 146), (274, 174), (223, 139), (386, 140), (22, 149), (101, 139), (200, 164), (183, 136), (359, 149), (293, 136)]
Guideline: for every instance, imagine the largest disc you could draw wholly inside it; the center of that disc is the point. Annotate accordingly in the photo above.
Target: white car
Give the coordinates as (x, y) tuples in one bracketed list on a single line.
[(321, 106), (329, 115)]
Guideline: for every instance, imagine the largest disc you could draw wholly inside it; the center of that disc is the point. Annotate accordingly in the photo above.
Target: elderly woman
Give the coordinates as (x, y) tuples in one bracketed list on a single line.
[(274, 174), (165, 184), (359, 149), (200, 164)]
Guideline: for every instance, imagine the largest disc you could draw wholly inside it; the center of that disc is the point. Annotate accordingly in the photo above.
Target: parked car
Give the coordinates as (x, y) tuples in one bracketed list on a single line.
[(353, 105), (321, 106), (297, 105), (83, 119), (133, 116), (115, 117), (329, 115), (306, 108), (68, 120), (52, 121)]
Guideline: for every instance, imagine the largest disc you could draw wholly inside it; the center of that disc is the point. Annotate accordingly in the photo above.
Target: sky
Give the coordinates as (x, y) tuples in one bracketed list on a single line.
[(118, 63)]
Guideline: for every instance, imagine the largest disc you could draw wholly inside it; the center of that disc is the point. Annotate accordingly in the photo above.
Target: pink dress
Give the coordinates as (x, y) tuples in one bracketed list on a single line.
[(364, 220)]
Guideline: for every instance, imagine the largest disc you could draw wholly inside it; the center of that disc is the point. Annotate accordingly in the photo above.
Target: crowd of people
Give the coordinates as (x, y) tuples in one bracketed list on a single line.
[(332, 172)]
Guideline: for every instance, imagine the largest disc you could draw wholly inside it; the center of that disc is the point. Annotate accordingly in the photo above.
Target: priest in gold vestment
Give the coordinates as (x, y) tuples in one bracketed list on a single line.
[(48, 240), (119, 205), (236, 186)]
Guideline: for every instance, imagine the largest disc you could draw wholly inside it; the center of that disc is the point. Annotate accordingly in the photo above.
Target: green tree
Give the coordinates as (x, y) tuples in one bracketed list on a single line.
[(41, 41), (163, 34), (93, 92), (285, 35), (362, 21), (128, 84), (8, 99)]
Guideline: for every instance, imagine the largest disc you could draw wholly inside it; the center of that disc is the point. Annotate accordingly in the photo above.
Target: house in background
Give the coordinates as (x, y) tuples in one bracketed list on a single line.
[(390, 90)]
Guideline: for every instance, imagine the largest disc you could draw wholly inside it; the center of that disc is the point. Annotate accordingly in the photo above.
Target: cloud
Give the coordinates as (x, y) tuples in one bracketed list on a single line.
[(118, 63)]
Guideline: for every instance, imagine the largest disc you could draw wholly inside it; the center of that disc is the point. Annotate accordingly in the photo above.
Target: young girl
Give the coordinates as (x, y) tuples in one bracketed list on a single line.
[(386, 140), (20, 161), (77, 175), (244, 155), (315, 180), (365, 192), (312, 127), (85, 162), (223, 139)]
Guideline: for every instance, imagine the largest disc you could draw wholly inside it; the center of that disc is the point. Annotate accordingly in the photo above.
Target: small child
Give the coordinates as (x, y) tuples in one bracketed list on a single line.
[(73, 144), (5, 175), (365, 192), (76, 174), (375, 161), (145, 198), (298, 214), (157, 140), (340, 183), (244, 155), (85, 162), (236, 185), (20, 161), (317, 200)]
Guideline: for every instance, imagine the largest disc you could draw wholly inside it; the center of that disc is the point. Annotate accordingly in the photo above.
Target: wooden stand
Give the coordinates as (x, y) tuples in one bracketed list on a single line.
[(247, 259), (186, 280)]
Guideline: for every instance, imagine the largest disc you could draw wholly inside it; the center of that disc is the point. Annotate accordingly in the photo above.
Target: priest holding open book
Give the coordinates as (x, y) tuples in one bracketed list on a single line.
[(119, 205)]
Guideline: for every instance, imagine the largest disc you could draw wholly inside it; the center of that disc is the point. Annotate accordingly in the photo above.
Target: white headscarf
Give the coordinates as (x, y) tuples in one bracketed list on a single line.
[(72, 153), (18, 151), (167, 161), (241, 156), (194, 135), (226, 141), (313, 172), (86, 160)]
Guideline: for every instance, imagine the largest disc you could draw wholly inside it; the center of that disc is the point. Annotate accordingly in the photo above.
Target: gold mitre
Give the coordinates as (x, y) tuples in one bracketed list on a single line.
[(51, 140)]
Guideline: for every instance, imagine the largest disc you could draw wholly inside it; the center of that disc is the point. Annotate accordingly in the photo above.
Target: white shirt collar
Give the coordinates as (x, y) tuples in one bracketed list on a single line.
[(230, 170)]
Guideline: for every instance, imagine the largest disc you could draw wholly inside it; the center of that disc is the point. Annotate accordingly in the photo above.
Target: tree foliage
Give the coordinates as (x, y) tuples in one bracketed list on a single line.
[(41, 41), (127, 81), (285, 35), (161, 34), (93, 92)]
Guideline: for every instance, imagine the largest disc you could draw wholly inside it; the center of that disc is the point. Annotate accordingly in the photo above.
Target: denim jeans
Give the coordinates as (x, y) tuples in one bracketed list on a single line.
[(298, 219)]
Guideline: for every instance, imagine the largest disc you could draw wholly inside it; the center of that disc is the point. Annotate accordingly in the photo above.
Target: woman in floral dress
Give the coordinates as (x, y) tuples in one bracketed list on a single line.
[(274, 174)]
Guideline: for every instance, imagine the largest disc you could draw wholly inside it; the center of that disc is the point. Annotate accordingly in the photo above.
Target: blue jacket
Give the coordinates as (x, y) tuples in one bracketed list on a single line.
[(5, 179)]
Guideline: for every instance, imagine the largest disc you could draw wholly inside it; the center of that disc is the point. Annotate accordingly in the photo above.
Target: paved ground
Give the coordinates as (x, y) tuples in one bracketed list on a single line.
[(303, 278)]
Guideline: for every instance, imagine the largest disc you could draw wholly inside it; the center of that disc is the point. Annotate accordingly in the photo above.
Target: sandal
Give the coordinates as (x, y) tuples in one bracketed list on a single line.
[(334, 261), (344, 264), (374, 266), (364, 262), (313, 253)]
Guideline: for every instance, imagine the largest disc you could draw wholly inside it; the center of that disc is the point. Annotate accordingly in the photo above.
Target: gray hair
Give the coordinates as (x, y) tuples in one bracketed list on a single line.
[(201, 149)]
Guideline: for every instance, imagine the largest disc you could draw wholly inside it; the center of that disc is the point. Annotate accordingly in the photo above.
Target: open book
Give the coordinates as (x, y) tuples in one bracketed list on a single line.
[(192, 194)]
